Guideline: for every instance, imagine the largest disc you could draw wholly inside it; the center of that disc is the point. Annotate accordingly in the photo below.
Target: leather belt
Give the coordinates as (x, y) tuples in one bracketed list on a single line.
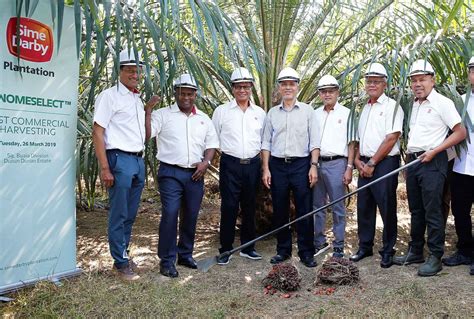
[(415, 154), (287, 160), (186, 169), (330, 158), (243, 161), (138, 154)]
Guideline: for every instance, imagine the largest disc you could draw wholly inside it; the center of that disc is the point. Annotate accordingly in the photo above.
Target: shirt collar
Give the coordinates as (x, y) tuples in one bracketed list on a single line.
[(335, 108), (233, 104), (431, 98), (175, 108), (381, 99), (296, 105), (124, 90)]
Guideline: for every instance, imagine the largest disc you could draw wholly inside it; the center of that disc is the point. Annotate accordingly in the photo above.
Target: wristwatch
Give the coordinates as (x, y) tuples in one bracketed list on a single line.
[(315, 164), (370, 163)]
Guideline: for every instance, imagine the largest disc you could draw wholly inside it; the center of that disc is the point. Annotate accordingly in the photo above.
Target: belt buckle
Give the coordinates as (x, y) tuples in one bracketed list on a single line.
[(244, 161), (288, 160)]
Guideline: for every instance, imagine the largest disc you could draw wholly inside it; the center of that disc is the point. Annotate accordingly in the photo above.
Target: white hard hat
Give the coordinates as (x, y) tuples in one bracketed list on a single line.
[(421, 67), (288, 74), (127, 57), (376, 69), (185, 81), (471, 63), (327, 81), (241, 75)]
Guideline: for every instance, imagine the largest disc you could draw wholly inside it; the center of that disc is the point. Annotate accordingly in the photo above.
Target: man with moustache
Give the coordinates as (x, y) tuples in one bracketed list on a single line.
[(186, 142), (239, 125), (380, 126), (462, 189), (335, 162), (432, 116), (289, 164), (119, 136)]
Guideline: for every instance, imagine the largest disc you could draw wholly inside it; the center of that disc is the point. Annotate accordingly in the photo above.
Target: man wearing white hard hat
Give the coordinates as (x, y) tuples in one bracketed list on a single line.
[(379, 129), (289, 164), (462, 188), (186, 142), (432, 116), (335, 162), (239, 125), (119, 137)]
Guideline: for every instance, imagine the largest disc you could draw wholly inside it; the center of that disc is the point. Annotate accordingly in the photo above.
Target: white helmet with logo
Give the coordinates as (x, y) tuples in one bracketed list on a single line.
[(421, 67), (376, 69), (327, 81), (185, 81), (471, 63), (288, 74), (241, 75), (127, 57)]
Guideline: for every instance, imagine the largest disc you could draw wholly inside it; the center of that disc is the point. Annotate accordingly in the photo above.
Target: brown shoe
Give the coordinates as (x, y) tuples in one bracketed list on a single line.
[(134, 266), (125, 273)]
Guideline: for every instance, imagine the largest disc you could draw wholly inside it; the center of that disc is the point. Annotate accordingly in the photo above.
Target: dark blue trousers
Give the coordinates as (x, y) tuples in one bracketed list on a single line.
[(425, 184), (124, 198), (293, 177), (238, 184), (178, 192), (384, 196)]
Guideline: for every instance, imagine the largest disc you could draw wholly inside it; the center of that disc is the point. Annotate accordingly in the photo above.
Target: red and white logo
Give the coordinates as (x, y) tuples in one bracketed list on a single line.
[(35, 40)]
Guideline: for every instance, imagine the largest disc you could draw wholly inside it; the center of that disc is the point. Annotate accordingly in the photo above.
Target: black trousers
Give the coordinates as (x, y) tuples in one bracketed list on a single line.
[(384, 196), (286, 177), (238, 184), (425, 183), (462, 197)]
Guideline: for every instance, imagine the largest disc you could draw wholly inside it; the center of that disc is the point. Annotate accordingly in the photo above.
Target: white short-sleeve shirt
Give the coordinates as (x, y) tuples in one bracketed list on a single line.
[(121, 113), (181, 140), (332, 135), (430, 122), (376, 122), (239, 132), (464, 164)]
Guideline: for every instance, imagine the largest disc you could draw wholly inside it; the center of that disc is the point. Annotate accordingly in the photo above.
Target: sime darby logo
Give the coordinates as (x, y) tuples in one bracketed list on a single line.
[(35, 40)]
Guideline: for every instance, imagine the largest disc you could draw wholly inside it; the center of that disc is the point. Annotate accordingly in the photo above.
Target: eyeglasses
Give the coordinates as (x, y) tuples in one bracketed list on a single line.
[(374, 82), (327, 91), (243, 87)]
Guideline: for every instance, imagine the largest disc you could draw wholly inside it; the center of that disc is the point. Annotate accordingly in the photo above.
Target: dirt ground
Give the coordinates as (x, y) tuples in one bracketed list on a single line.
[(235, 290)]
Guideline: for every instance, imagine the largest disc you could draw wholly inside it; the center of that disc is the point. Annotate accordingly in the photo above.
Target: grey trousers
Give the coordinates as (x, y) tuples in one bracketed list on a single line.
[(328, 188)]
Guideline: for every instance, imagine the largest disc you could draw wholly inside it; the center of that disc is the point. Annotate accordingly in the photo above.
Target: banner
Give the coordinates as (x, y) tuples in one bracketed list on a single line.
[(38, 115)]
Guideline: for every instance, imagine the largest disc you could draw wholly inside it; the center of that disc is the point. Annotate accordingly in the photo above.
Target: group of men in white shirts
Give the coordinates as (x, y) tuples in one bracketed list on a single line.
[(293, 149)]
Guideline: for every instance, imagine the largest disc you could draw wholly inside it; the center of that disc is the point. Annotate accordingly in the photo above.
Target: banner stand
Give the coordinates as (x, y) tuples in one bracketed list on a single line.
[(28, 283)]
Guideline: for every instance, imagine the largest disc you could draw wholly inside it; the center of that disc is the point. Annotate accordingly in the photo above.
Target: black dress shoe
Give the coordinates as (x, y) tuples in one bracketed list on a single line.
[(169, 271), (187, 262), (309, 262), (278, 259), (360, 255), (387, 261)]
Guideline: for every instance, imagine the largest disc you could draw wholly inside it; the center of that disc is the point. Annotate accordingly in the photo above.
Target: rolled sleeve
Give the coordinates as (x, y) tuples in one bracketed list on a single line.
[(267, 133), (314, 132)]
